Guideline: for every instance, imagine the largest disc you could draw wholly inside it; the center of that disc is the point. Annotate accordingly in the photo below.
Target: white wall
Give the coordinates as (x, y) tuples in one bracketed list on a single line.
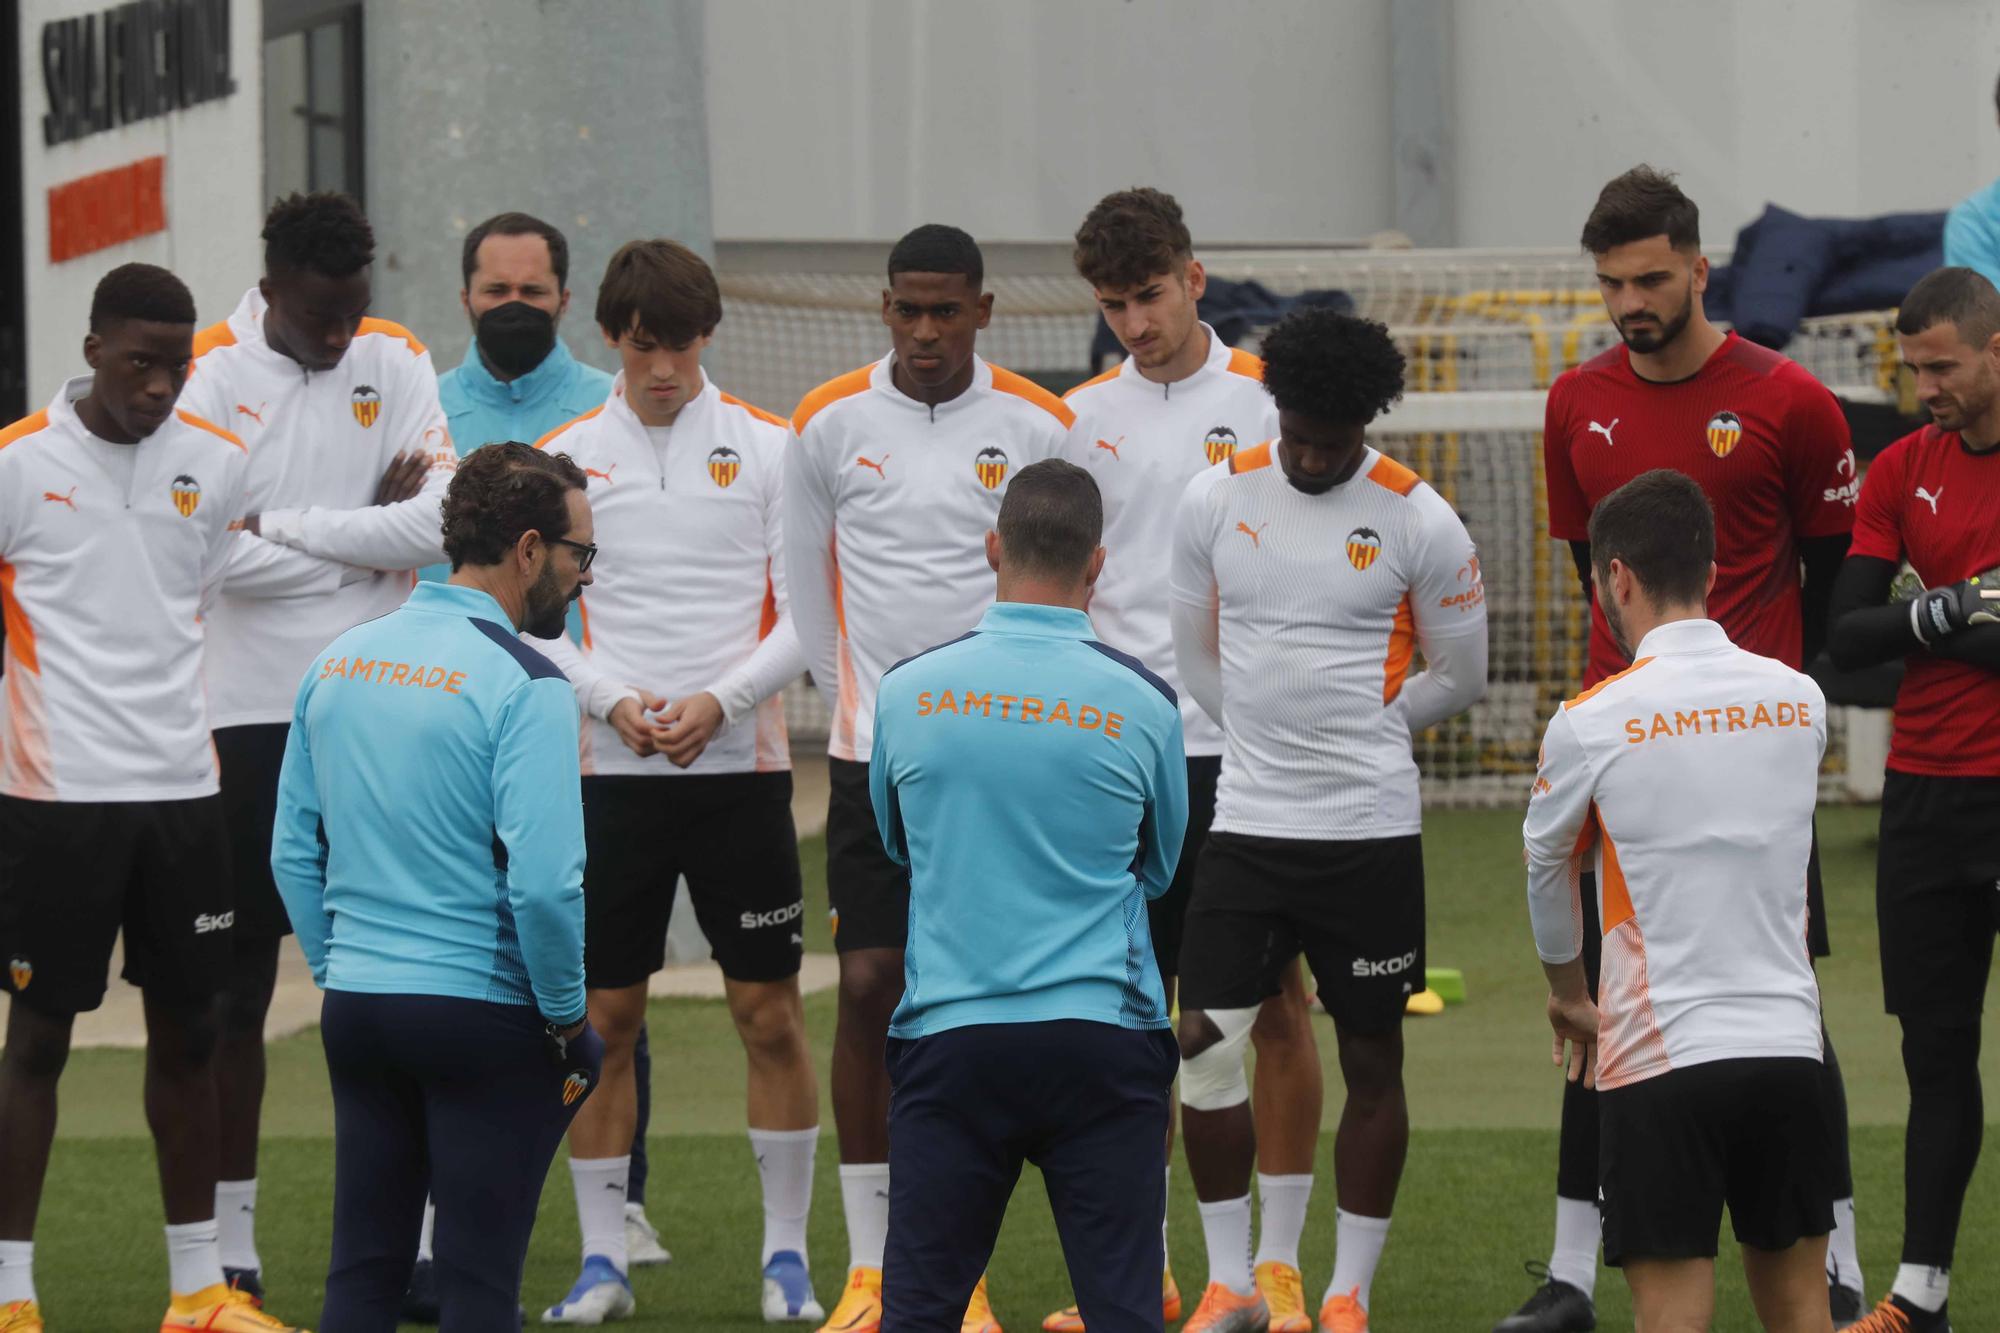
[(1271, 120), (1829, 107), (859, 121), (214, 195)]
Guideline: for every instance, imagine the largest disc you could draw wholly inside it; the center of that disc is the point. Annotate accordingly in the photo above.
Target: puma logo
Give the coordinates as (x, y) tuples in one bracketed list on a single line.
[(1605, 431), (1256, 534), (1931, 498), (869, 462), (256, 416), (1112, 446), (604, 476), (61, 499)]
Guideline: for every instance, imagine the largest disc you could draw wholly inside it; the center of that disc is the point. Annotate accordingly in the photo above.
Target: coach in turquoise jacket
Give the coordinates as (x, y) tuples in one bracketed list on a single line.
[(429, 849), (1033, 780)]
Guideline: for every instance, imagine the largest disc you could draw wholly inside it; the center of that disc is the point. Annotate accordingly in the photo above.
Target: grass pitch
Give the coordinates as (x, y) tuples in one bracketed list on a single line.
[(1475, 1202)]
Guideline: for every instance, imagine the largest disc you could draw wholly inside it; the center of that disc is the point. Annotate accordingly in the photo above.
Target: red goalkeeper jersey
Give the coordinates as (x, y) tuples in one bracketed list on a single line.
[(1764, 440), (1931, 501)]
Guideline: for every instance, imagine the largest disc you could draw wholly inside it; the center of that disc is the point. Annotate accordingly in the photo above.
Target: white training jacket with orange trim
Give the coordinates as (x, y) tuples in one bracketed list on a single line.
[(1144, 442), (1687, 783), (688, 593), (1295, 619), (106, 562), (319, 442), (887, 506)]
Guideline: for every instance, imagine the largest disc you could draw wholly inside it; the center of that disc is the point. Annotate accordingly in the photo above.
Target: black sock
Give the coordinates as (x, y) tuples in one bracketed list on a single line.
[(1941, 1144)]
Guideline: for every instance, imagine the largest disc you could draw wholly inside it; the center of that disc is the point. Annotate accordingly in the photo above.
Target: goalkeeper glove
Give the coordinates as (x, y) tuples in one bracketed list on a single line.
[(1907, 586), (1942, 612)]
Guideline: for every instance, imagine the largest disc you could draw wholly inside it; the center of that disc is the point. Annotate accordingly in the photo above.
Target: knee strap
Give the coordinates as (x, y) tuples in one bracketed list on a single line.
[(1213, 1080)]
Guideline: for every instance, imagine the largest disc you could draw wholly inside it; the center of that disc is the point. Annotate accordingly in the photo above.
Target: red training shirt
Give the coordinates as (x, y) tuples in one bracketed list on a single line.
[(1931, 501), (1765, 440)]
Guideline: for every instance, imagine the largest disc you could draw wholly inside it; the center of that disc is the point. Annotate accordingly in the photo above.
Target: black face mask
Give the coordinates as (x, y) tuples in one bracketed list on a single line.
[(515, 338)]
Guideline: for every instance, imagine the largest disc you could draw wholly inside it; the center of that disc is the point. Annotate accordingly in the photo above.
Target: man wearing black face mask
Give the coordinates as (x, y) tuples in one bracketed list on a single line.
[(518, 380)]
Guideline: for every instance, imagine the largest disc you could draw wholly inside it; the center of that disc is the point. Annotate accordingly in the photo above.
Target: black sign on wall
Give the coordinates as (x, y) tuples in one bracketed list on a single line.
[(132, 62)]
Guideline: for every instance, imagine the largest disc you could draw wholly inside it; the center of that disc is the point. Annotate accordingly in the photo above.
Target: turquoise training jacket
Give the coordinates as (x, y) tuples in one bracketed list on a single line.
[(429, 837), (1033, 780)]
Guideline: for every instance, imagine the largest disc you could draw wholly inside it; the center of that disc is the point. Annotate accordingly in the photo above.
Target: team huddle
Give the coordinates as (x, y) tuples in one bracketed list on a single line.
[(229, 717)]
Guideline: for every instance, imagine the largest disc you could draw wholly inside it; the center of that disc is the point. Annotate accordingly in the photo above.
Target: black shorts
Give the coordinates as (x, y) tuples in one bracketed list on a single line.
[(1674, 1148), (1818, 945), (251, 758), (1167, 914), (868, 894), (1937, 892), (731, 834), (1354, 909), (74, 873)]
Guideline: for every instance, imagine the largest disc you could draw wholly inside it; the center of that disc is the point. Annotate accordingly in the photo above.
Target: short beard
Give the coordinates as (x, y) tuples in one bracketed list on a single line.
[(1614, 623), (1647, 343), (546, 614)]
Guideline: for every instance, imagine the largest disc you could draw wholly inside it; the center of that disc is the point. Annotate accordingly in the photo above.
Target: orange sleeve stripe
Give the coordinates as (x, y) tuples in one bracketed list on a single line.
[(543, 443), (1249, 460), (1245, 364), (212, 337), (391, 329), (24, 427), (1391, 475), (771, 418), (1591, 693), (1006, 381), (1094, 380), (202, 423), (20, 633), (1402, 647), (846, 386)]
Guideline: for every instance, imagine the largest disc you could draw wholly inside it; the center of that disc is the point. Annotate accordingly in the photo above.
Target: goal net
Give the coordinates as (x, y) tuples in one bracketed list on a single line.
[(1485, 333)]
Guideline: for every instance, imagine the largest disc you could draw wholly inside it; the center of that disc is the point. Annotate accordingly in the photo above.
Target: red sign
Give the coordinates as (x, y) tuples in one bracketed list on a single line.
[(107, 208)]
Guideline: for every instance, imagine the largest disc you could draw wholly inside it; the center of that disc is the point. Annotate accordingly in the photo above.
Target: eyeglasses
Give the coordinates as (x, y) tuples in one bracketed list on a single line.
[(585, 553)]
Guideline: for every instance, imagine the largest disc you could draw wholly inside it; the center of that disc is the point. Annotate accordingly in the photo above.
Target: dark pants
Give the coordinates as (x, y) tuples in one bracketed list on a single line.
[(642, 1073), (1085, 1102), (462, 1097)]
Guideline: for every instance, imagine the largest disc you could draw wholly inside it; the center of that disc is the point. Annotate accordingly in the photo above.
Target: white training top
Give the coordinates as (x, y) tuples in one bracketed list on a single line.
[(1687, 782), (105, 563), (1144, 442), (887, 505), (329, 557), (1295, 618), (688, 591)]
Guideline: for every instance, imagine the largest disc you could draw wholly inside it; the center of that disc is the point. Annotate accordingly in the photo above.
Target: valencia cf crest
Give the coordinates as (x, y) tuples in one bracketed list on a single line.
[(20, 972), (573, 1089), (187, 495), (367, 405), (1363, 545), (991, 466), (1724, 430), (723, 465), (1218, 444)]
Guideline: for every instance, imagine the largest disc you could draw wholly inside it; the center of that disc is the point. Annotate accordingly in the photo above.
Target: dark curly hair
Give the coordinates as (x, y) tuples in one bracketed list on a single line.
[(1131, 236), (501, 491), (325, 232), (140, 291), (1641, 203), (1332, 367)]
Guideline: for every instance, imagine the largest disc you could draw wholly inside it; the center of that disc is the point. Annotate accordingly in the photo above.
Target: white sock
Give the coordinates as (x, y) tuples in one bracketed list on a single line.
[(785, 1165), (236, 1215), (194, 1257), (1166, 1259), (1578, 1231), (600, 1205), (1226, 1226), (1843, 1258), (430, 1229), (17, 1271), (1283, 1220), (1357, 1248), (1923, 1286), (864, 1196)]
